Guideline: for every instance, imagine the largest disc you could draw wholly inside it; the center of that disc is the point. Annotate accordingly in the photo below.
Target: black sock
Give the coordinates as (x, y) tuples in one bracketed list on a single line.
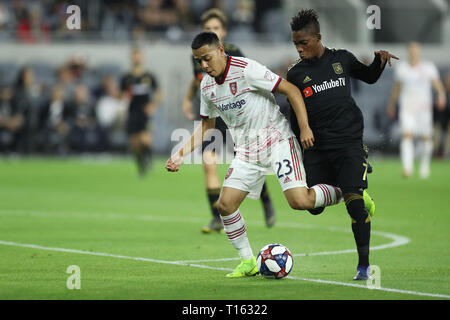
[(360, 227), (265, 194), (213, 196), (148, 154), (140, 161)]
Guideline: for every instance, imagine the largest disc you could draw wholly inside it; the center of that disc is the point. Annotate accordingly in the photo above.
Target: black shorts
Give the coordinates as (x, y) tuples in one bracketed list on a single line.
[(211, 143), (345, 168), (137, 122)]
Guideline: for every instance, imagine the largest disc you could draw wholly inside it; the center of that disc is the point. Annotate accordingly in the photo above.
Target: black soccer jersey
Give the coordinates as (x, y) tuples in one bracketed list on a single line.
[(333, 115), (141, 88)]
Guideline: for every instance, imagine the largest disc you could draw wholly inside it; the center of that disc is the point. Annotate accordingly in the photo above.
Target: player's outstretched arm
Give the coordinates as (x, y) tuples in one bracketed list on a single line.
[(297, 103), (174, 162), (372, 72)]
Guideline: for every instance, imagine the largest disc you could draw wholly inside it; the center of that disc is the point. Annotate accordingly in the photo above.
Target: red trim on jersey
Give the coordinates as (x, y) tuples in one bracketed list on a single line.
[(237, 61), (294, 159), (237, 65), (209, 85), (204, 117), (276, 85), (297, 161), (225, 73)]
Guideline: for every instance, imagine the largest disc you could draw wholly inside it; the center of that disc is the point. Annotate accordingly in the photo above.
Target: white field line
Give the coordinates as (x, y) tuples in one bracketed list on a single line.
[(34, 246), (397, 239)]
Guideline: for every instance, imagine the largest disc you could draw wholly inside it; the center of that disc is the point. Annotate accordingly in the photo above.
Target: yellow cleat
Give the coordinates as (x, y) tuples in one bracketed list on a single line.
[(214, 226), (369, 203), (246, 268)]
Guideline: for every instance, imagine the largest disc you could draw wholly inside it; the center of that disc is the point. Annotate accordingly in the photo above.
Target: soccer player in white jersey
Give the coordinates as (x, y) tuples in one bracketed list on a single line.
[(413, 82), (240, 91)]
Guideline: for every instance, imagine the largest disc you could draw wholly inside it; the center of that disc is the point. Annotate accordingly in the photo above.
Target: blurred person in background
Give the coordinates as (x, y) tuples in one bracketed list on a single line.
[(111, 110), (141, 89), (54, 122), (11, 121), (85, 134), (214, 20), (31, 26), (412, 87), (27, 101), (442, 126)]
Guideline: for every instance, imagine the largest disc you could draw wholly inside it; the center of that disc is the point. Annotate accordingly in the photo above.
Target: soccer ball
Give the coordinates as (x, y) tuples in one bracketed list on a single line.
[(274, 261)]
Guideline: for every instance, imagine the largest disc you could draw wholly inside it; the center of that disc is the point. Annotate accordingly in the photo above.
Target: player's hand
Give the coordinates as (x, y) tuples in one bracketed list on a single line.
[(391, 111), (306, 138), (150, 109), (174, 162), (187, 109), (441, 102), (385, 56)]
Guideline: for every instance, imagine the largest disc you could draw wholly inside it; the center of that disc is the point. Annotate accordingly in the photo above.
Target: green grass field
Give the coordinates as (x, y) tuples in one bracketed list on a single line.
[(140, 238)]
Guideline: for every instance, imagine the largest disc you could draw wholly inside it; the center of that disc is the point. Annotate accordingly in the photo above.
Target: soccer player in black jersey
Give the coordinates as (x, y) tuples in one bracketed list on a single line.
[(141, 88), (338, 157), (214, 20)]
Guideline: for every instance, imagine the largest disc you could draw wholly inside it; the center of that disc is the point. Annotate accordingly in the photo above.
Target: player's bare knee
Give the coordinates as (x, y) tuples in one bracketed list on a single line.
[(225, 207)]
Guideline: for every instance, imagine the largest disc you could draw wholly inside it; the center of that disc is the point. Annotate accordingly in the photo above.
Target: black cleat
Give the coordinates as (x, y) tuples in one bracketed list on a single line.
[(269, 213)]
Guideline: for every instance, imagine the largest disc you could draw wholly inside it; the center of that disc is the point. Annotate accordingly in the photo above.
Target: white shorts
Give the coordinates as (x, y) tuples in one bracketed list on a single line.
[(285, 161), (419, 124)]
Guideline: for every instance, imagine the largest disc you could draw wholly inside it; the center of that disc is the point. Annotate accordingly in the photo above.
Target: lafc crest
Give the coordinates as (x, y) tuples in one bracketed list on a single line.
[(337, 68)]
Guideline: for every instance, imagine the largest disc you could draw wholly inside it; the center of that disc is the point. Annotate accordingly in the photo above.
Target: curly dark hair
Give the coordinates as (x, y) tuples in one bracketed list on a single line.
[(306, 20)]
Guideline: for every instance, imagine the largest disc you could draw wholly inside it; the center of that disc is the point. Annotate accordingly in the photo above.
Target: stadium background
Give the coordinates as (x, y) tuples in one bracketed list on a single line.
[(34, 35)]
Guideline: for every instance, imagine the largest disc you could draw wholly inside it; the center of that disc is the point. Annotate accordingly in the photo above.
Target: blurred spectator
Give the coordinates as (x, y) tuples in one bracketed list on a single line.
[(5, 17), (31, 27), (67, 81), (270, 19), (442, 126), (157, 15), (54, 125), (85, 134), (10, 121), (244, 13), (27, 102), (112, 113)]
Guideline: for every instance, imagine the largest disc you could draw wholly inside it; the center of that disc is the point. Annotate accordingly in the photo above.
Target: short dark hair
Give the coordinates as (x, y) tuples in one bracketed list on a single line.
[(214, 13), (205, 38), (306, 20)]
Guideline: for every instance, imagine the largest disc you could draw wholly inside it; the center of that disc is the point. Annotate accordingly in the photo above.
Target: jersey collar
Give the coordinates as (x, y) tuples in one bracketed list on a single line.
[(224, 75)]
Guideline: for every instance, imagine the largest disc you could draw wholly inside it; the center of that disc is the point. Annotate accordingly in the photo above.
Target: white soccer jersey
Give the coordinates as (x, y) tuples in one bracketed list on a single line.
[(415, 94), (244, 100)]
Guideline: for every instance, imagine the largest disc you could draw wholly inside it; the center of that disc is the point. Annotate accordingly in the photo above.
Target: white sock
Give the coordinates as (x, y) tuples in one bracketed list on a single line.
[(407, 155), (426, 153), (326, 195), (236, 231)]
